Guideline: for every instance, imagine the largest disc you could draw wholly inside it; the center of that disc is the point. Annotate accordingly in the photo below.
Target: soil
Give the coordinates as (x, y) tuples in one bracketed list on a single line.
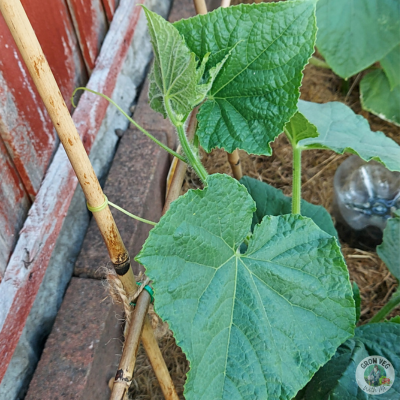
[(366, 269)]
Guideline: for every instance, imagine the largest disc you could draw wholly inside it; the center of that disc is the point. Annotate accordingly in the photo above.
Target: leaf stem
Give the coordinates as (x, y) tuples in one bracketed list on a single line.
[(319, 63), (191, 154), (149, 135), (296, 185), (146, 221), (387, 308)]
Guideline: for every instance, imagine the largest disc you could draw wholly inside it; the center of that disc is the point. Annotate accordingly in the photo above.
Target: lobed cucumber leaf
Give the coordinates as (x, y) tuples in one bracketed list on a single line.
[(299, 128), (354, 34), (336, 380), (175, 77), (391, 66), (257, 89), (341, 130), (389, 250), (272, 201), (378, 98), (256, 325)]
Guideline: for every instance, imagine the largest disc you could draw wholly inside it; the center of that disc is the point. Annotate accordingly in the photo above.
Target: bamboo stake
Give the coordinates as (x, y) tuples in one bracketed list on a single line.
[(43, 78), (29, 47), (157, 361), (234, 158), (123, 377), (178, 167), (200, 6), (236, 166)]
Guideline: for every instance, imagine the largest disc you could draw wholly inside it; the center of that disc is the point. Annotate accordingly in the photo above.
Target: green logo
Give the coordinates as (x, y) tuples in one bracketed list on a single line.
[(375, 375)]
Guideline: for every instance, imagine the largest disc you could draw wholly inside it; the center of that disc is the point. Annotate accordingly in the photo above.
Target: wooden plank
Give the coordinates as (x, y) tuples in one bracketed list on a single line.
[(91, 27), (14, 206), (25, 126), (20, 285), (109, 7)]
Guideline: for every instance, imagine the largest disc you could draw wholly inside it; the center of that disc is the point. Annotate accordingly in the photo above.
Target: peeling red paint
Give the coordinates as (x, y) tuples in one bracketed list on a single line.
[(25, 126), (12, 197), (110, 7), (91, 26), (39, 234)]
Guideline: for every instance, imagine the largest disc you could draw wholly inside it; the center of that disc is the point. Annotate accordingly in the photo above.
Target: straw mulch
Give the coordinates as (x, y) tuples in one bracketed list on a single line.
[(373, 278)]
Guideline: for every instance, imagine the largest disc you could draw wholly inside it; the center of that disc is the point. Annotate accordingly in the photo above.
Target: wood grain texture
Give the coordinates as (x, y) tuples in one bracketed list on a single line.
[(25, 126), (20, 285), (91, 26), (109, 7), (14, 206)]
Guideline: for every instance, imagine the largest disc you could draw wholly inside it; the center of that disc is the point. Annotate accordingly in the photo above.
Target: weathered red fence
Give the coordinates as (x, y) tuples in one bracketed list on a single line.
[(71, 33)]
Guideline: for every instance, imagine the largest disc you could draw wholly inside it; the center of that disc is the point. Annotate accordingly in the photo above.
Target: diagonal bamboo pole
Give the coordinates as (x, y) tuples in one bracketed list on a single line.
[(178, 168), (123, 377), (29, 47)]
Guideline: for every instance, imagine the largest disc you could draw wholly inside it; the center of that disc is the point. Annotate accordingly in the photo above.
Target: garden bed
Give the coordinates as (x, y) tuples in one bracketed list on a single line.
[(366, 268)]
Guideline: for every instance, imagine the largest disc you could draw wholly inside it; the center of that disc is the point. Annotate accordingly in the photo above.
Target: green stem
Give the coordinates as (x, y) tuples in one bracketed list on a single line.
[(387, 308), (318, 63), (191, 154), (146, 221), (149, 135), (296, 186)]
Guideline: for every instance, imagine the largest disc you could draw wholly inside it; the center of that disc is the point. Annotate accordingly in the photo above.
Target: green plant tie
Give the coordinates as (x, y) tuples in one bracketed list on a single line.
[(106, 203), (99, 208), (149, 290)]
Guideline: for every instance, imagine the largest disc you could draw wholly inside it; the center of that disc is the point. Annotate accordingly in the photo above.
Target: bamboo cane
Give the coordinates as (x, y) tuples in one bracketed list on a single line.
[(42, 76), (29, 47), (236, 166), (123, 377), (234, 158), (200, 6), (178, 168)]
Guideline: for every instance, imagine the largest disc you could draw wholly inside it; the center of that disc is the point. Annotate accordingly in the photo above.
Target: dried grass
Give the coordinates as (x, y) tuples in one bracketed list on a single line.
[(366, 269)]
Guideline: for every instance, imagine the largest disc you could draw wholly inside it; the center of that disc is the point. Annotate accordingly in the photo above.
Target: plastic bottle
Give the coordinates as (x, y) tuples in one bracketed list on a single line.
[(365, 196)]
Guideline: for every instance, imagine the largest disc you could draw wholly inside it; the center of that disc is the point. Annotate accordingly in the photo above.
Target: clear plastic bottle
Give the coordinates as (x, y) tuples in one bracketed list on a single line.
[(365, 196)]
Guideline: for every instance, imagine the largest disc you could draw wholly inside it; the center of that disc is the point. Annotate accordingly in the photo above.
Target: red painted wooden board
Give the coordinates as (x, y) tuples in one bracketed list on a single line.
[(109, 7), (25, 126), (14, 205), (21, 282), (91, 26)]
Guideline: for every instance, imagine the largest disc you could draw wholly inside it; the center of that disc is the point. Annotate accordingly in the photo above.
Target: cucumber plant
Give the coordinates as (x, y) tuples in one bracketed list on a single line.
[(258, 303), (257, 295), (335, 380), (355, 34)]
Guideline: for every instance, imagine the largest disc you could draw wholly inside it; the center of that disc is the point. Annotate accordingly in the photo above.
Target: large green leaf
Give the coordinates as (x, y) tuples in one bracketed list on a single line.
[(272, 201), (353, 34), (337, 379), (255, 325), (378, 98), (257, 90), (389, 250), (391, 66), (341, 130)]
